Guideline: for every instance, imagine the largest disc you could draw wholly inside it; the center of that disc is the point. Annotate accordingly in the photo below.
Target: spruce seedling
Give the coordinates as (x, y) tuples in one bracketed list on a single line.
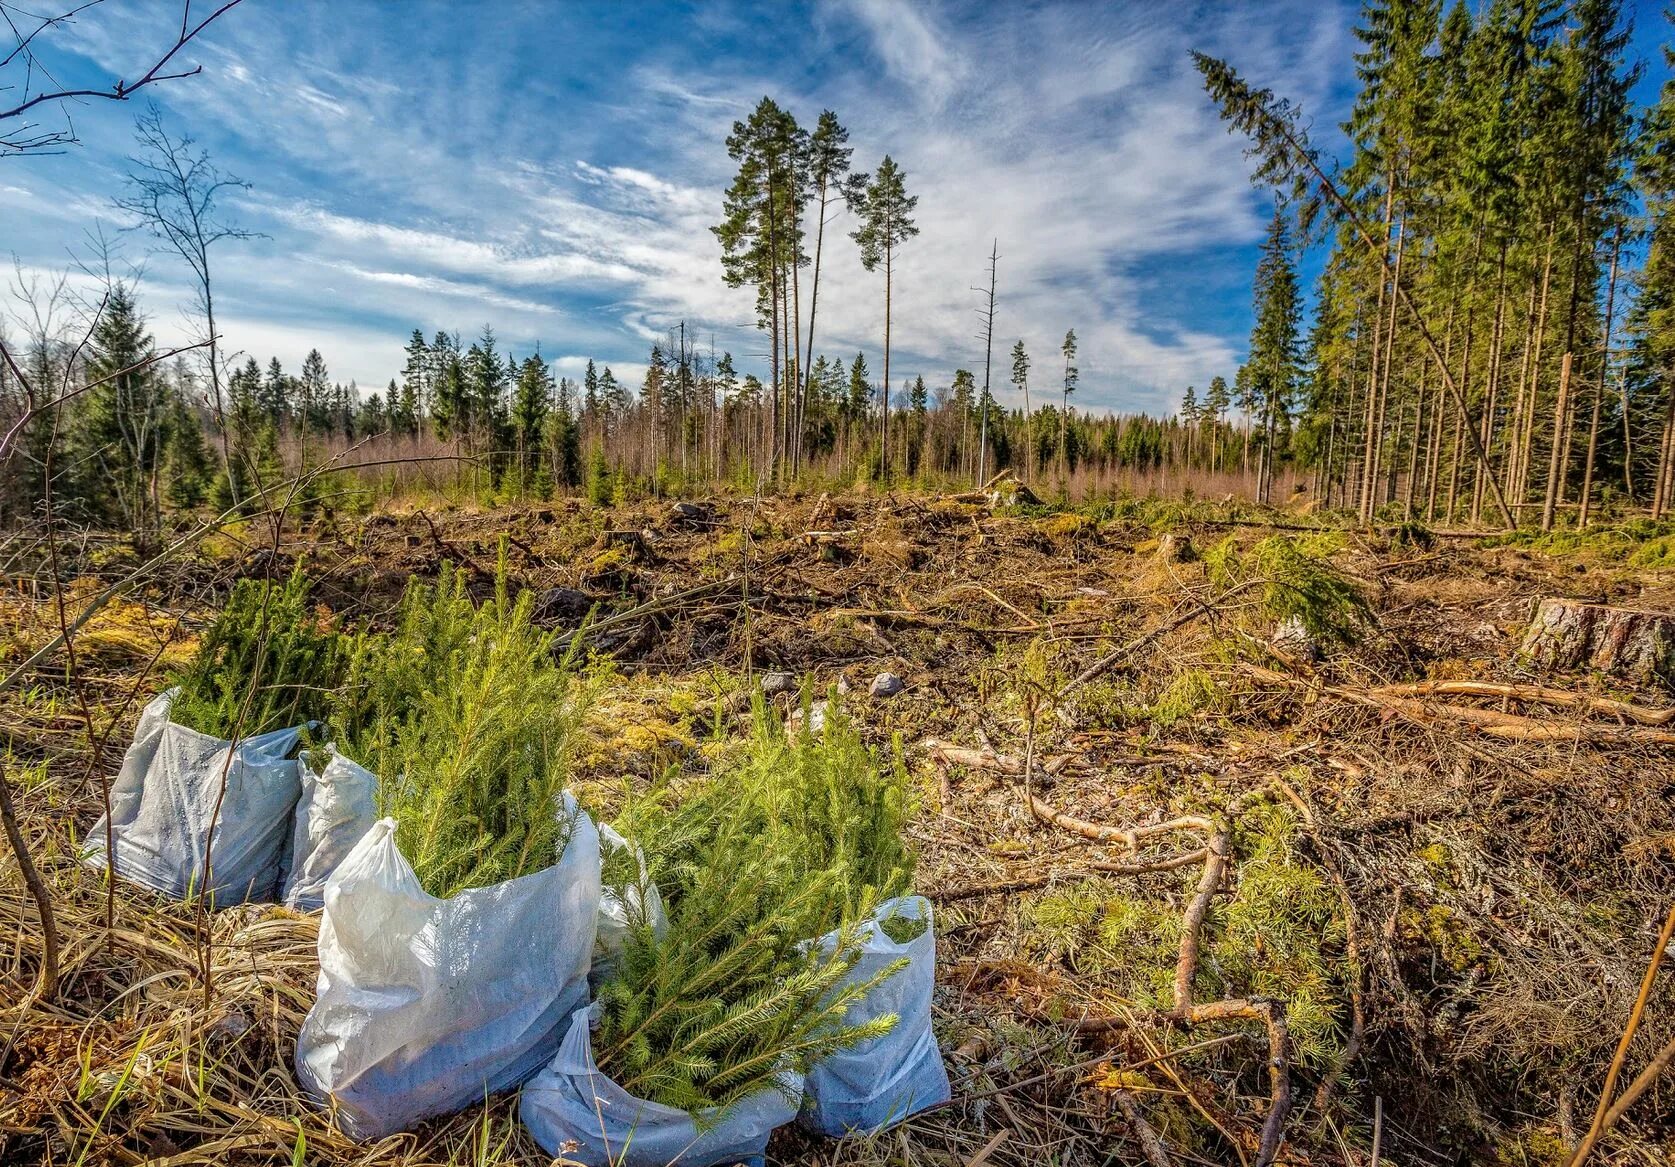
[(468, 721), (269, 636), (799, 835)]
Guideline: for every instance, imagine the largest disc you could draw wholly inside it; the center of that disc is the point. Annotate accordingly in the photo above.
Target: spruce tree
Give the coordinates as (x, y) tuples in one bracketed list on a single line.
[(275, 397), (858, 401), (1274, 355), (590, 392), (450, 410), (531, 401), (120, 428), (416, 387), (1020, 378), (187, 467)]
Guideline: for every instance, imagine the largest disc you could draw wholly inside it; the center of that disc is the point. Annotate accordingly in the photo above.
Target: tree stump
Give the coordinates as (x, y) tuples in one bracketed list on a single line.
[(1628, 642)]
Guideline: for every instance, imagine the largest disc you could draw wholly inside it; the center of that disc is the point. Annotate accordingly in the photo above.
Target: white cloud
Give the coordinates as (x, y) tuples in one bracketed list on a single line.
[(915, 51), (407, 181)]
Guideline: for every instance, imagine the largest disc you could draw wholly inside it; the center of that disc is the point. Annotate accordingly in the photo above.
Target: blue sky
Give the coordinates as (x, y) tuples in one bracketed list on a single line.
[(552, 169)]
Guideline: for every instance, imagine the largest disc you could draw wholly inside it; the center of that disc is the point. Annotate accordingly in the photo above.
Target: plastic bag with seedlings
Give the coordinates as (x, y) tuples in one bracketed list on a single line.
[(427, 1004), (339, 805), (704, 1028), (175, 785), (883, 1080), (579, 1113)]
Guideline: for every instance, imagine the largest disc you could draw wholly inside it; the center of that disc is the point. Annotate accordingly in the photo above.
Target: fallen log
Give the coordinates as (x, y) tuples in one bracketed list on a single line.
[(1531, 694), (1489, 722)]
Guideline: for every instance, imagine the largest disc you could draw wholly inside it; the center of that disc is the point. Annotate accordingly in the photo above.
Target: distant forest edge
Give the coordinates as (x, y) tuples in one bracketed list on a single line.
[(1492, 337)]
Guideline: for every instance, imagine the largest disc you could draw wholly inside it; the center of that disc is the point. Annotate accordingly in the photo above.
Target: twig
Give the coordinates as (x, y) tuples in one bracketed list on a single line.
[(47, 984), (1151, 1145), (988, 1148), (1606, 1114), (1378, 1128), (1200, 607), (1192, 923)]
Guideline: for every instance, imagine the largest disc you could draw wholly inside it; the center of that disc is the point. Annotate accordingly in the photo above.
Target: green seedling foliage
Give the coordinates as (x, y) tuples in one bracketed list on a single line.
[(1281, 935), (1298, 581), (903, 929), (797, 835), (469, 722), (269, 648), (1189, 693)]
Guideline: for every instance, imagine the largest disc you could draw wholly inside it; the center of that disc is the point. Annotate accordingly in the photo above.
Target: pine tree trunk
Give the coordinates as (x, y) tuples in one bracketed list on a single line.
[(884, 428), (1666, 459), (773, 313), (1529, 404), (1412, 482), (1465, 379), (1599, 386), (1379, 460), (1497, 337), (813, 304), (795, 331), (1369, 459), (1556, 459)]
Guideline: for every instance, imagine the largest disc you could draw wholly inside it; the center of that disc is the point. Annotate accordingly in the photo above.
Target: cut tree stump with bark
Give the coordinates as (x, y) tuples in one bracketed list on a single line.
[(1628, 642)]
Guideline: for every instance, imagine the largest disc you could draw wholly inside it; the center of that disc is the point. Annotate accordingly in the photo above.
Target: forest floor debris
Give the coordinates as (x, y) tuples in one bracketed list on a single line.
[(1440, 872)]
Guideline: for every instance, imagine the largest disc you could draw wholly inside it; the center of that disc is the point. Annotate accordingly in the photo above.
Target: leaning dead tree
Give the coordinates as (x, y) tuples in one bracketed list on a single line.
[(36, 117)]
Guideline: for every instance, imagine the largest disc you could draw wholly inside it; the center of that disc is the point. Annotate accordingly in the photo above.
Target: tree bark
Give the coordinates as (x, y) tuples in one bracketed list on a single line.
[(1556, 458), (1599, 385), (1572, 634)]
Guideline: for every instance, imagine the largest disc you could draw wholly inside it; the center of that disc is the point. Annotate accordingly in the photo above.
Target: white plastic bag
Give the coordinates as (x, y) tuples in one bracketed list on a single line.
[(426, 1005), (337, 808), (880, 1082), (620, 909), (164, 798), (576, 1112)]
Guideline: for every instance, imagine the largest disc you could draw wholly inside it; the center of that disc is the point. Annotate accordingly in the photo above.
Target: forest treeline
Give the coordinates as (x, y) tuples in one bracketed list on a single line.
[(1493, 332), (140, 445)]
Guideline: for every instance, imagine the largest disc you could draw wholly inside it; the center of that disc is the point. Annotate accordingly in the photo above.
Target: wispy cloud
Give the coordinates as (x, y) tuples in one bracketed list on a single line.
[(556, 171)]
